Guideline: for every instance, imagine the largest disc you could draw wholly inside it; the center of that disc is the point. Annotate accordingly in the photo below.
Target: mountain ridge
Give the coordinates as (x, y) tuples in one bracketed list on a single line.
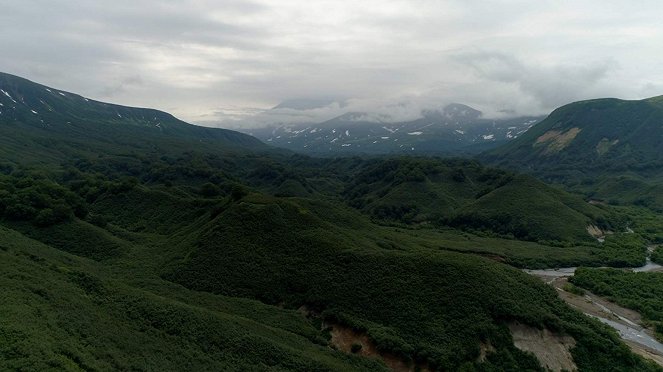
[(41, 110), (456, 129)]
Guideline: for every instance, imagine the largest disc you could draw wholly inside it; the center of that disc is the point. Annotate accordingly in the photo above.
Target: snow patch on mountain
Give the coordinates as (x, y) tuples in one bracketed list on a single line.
[(8, 96)]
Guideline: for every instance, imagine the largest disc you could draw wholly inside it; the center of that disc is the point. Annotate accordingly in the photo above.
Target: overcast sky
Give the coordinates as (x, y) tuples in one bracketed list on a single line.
[(213, 62)]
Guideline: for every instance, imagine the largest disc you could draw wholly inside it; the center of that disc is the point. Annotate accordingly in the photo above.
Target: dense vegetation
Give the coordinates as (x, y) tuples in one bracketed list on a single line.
[(639, 291), (60, 312), (146, 250), (657, 256)]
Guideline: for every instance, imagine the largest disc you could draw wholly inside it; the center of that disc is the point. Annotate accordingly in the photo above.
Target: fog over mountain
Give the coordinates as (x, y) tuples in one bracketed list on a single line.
[(228, 63)]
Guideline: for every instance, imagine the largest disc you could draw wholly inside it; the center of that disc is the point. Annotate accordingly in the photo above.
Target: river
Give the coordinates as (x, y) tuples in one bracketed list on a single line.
[(569, 271), (624, 321)]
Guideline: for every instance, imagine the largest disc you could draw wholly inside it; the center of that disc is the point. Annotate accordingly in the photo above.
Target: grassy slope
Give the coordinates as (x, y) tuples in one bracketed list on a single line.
[(62, 312), (50, 112), (635, 124), (534, 210)]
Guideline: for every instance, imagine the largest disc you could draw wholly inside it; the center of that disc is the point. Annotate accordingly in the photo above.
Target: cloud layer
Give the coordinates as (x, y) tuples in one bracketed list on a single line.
[(226, 62)]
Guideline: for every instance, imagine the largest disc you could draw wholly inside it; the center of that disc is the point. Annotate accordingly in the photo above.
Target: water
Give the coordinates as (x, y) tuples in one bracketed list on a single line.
[(556, 273), (569, 271), (636, 335), (649, 266)]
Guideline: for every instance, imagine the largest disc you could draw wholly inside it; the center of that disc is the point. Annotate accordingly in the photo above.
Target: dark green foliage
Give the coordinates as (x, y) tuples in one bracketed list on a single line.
[(209, 190), (32, 197), (62, 313), (237, 192), (657, 256)]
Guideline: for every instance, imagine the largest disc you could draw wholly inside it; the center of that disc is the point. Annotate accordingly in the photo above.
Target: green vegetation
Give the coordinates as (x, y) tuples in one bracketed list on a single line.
[(657, 255), (35, 198), (569, 287), (639, 291), (61, 312), (464, 194)]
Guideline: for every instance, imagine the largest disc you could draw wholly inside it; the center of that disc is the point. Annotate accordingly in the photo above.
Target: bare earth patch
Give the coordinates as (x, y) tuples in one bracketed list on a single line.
[(557, 140), (485, 348), (551, 349), (343, 338), (597, 233), (604, 145)]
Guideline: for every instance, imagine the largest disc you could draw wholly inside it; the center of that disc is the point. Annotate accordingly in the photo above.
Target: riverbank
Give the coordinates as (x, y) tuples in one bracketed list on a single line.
[(627, 322)]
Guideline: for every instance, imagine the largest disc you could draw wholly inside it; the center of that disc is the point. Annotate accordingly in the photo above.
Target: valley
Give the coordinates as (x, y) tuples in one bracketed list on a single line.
[(123, 241)]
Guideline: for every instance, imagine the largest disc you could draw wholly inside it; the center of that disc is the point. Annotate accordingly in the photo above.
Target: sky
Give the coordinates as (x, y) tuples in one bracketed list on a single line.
[(228, 63)]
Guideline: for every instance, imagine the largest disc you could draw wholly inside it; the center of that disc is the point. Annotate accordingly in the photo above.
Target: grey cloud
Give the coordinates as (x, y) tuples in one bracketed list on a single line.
[(393, 57), (549, 85), (121, 86)]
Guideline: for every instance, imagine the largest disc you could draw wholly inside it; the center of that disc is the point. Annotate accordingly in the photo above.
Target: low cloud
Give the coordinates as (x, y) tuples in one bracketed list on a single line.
[(533, 87)]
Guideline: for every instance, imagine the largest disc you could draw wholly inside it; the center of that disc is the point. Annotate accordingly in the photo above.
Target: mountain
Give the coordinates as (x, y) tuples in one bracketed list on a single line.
[(125, 247), (457, 129), (608, 148), (34, 113)]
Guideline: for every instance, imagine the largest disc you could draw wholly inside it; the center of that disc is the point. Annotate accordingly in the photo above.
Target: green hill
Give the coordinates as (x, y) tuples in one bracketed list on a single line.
[(38, 123), (591, 146), (462, 193), (61, 312)]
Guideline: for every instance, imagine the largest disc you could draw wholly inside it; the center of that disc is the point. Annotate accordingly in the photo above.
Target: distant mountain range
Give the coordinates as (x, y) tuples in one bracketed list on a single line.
[(456, 129)]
